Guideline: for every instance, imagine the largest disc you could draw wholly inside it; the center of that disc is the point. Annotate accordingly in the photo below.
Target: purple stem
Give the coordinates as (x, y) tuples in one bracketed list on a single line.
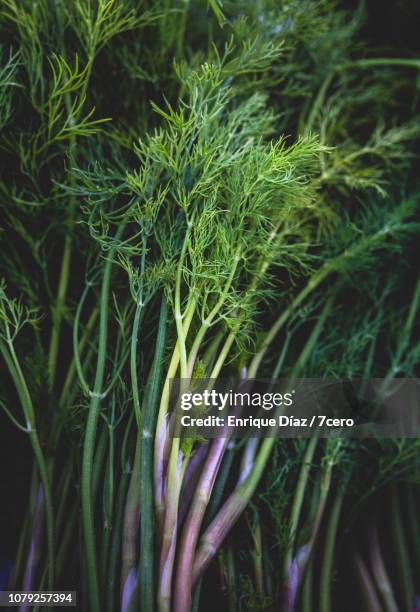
[(227, 516), (299, 563), (193, 522), (35, 547), (129, 588), (169, 538), (191, 478), (368, 590)]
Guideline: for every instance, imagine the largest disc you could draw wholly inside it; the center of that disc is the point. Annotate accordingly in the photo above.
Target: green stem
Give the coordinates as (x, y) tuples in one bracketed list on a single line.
[(77, 350), (108, 489), (131, 519), (384, 61), (258, 558), (231, 578), (135, 338), (115, 552), (380, 574), (329, 547), (59, 308), (319, 101), (39, 457), (178, 314), (414, 526), (67, 537), (12, 362), (76, 343), (401, 551), (147, 527), (133, 362), (98, 462), (297, 503), (308, 586), (60, 304), (369, 594), (89, 445)]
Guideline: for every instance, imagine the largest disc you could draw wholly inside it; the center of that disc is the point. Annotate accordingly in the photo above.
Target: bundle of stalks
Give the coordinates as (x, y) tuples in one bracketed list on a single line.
[(194, 191)]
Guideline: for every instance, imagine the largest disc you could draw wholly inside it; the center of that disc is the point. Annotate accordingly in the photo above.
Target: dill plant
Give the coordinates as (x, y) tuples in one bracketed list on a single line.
[(237, 207)]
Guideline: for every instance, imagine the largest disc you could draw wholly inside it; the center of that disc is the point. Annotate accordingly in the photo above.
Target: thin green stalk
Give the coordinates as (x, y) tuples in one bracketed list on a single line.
[(305, 551), (401, 62), (89, 445), (131, 519), (115, 552), (59, 307), (65, 483), (308, 579), (380, 574), (76, 343), (406, 332), (308, 588), (67, 537), (108, 501), (231, 578), (39, 457), (13, 365), (77, 350), (327, 577), (220, 361), (318, 103), (13, 419), (210, 353), (133, 362), (18, 562), (177, 306), (135, 338), (147, 527), (414, 527), (297, 503), (403, 564), (257, 555), (98, 463)]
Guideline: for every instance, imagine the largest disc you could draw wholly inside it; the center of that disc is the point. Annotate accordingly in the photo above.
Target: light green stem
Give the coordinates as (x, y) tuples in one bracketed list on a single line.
[(12, 362)]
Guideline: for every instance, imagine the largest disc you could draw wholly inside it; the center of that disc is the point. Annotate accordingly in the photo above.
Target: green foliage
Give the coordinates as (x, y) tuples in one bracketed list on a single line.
[(14, 315), (7, 84), (255, 163)]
